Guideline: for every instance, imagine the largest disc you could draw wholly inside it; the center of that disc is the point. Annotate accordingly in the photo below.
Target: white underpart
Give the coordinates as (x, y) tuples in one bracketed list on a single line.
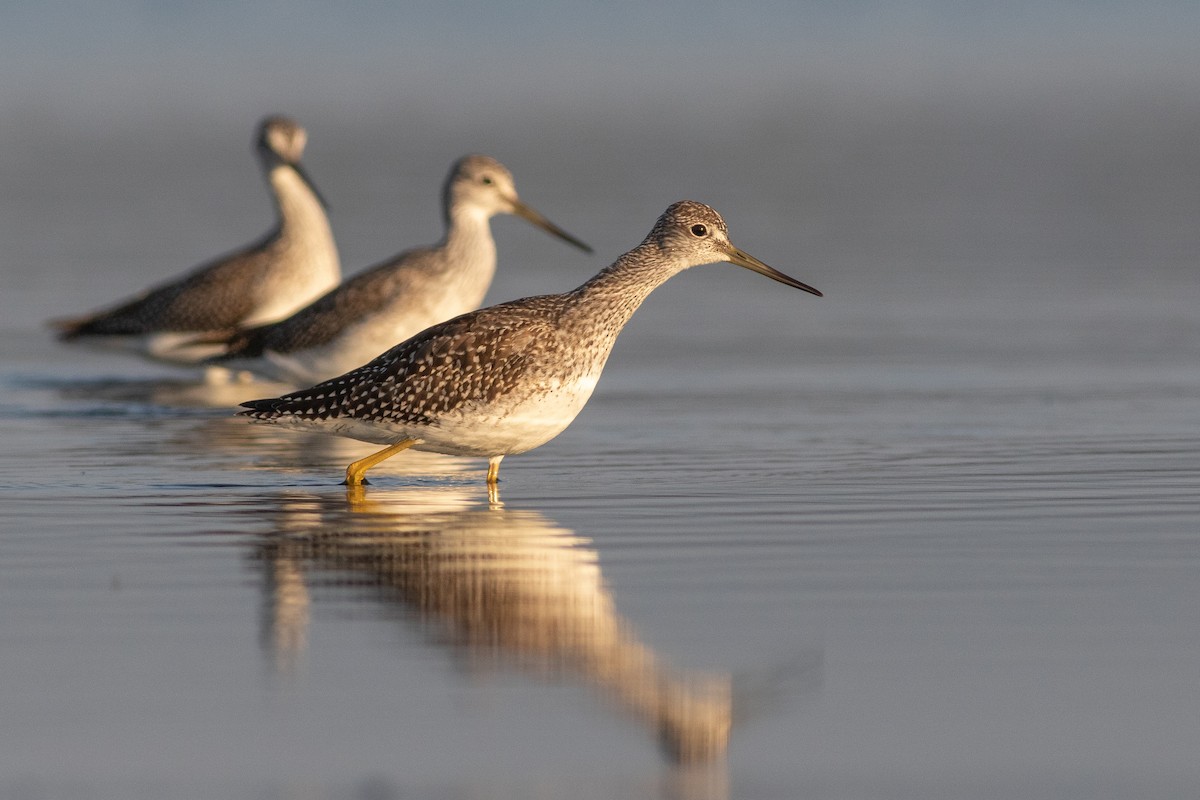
[(306, 245), (508, 429), (405, 316), (166, 346), (454, 282), (474, 430)]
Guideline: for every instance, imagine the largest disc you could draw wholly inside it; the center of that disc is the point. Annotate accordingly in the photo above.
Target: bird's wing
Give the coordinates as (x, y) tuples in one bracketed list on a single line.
[(475, 357), (217, 295)]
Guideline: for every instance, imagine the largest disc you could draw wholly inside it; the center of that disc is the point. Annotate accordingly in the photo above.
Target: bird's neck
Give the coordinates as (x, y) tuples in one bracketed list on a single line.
[(593, 315), (613, 294), (302, 219), (470, 250)]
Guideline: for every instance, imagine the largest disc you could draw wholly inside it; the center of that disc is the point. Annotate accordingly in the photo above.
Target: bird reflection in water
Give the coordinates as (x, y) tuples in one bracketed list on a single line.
[(498, 585)]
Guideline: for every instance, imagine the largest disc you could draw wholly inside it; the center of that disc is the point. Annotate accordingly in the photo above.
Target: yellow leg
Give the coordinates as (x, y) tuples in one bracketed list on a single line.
[(493, 481), (356, 473)]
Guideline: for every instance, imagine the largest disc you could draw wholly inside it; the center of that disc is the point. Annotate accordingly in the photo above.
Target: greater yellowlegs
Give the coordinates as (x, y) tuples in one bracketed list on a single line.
[(507, 378), (292, 265), (392, 301)]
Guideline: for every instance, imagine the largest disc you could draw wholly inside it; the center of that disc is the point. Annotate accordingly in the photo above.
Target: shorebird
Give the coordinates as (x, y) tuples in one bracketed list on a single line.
[(292, 265), (507, 378), (398, 298)]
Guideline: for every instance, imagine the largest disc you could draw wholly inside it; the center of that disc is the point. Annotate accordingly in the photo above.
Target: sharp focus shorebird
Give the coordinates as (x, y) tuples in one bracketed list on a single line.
[(292, 265), (507, 378), (392, 301)]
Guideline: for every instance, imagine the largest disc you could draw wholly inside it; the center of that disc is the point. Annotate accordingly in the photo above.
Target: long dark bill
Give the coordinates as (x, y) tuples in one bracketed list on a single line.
[(525, 212), (743, 259)]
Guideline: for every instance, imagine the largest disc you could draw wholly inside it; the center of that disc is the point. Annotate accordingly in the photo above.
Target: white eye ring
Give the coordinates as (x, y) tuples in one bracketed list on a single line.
[(699, 230)]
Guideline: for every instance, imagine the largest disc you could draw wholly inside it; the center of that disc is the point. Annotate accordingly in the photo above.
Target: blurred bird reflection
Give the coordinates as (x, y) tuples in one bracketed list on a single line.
[(497, 586)]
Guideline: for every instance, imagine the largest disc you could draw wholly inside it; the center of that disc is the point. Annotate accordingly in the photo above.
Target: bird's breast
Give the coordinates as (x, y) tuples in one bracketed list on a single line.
[(514, 423)]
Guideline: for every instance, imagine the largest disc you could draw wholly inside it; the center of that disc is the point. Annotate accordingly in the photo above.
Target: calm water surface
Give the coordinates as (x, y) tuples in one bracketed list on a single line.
[(935, 535), (883, 547)]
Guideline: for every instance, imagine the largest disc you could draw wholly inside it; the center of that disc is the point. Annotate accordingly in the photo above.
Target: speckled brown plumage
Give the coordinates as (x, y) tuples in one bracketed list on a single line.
[(508, 378), (477, 357)]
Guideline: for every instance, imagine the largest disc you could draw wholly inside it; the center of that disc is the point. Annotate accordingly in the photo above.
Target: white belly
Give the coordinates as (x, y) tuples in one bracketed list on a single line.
[(167, 346), (506, 429), (483, 430)]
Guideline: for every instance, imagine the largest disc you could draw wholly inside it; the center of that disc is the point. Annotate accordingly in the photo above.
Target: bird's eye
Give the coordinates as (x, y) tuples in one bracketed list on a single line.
[(486, 180), (699, 230)]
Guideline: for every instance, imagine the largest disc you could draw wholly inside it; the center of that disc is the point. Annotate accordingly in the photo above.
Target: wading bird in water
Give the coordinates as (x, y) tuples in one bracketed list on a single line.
[(505, 379)]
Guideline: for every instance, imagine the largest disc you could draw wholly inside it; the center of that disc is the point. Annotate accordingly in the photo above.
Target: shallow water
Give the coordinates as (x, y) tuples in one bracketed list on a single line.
[(934, 535), (915, 548)]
